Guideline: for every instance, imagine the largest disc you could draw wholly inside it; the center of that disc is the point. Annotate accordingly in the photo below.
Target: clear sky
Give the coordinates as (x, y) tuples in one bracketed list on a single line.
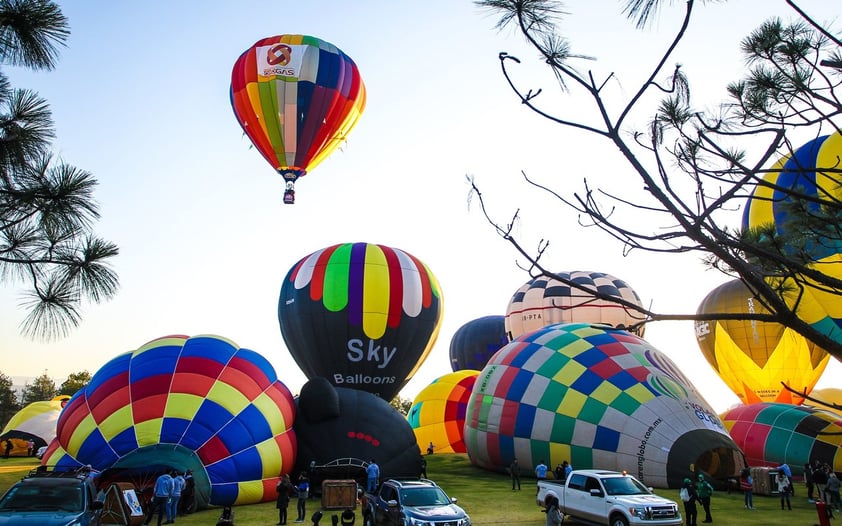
[(140, 99)]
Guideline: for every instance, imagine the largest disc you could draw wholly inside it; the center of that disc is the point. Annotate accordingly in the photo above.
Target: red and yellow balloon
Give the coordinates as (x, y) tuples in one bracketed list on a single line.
[(437, 415)]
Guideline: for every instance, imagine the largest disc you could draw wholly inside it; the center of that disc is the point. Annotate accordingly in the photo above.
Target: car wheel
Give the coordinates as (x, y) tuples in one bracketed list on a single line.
[(619, 520)]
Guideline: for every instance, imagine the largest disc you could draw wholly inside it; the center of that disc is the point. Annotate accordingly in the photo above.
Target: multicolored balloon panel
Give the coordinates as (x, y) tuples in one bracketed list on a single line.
[(809, 171), (771, 434), (753, 357), (544, 301), (364, 316), (197, 403), (437, 414), (475, 342), (296, 97), (599, 398)]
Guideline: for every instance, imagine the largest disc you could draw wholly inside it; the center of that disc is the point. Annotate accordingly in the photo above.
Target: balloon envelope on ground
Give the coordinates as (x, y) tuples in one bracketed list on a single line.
[(197, 403), (544, 301), (364, 316), (753, 357), (36, 421), (437, 414), (341, 430), (771, 434), (597, 397), (476, 341)]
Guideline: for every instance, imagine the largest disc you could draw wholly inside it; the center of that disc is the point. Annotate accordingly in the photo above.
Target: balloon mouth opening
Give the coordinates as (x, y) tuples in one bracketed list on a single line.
[(291, 174), (143, 466)]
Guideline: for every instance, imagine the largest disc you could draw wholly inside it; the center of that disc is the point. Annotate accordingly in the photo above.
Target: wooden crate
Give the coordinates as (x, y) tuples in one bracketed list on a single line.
[(764, 480), (339, 494)]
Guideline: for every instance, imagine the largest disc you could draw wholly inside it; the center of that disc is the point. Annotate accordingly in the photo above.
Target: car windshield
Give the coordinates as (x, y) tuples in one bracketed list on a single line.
[(40, 498), (624, 486), (417, 497)]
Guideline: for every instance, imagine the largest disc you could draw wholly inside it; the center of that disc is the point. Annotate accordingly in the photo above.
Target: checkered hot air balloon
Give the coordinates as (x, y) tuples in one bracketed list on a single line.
[(544, 301), (599, 398)]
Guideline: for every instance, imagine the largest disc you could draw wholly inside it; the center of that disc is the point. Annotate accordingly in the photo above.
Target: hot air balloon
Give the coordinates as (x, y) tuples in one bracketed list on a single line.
[(476, 341), (597, 397), (198, 403), (544, 301), (813, 171), (296, 97), (437, 414), (771, 434), (340, 430), (827, 395), (36, 421), (753, 357), (363, 316)]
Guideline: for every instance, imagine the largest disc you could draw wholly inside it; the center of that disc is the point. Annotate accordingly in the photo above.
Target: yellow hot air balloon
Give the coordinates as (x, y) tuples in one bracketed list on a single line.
[(753, 357)]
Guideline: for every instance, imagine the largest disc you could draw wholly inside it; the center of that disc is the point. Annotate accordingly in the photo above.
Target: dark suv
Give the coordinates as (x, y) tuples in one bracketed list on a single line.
[(51, 498), (417, 502)]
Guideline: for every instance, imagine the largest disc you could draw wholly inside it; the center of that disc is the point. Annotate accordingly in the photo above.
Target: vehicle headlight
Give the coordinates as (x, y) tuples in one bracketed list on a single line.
[(466, 521), (641, 512), (418, 522)]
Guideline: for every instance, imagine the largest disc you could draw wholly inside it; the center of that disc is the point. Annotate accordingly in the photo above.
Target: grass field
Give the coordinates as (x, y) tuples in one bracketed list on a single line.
[(489, 500)]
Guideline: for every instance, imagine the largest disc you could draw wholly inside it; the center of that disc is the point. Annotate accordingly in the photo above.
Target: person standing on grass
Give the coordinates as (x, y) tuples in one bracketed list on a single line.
[(541, 471), (372, 473), (178, 484), (704, 491), (747, 485), (691, 513), (808, 481), (162, 493), (514, 471), (554, 516), (303, 493), (820, 479), (784, 489), (832, 491), (284, 489)]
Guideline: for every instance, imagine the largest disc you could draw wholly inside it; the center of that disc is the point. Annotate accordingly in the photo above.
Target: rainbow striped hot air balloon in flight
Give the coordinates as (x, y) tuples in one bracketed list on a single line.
[(296, 97), (177, 402), (362, 315)]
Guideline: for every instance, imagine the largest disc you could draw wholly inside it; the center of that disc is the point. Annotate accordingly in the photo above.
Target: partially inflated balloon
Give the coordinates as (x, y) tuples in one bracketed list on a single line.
[(363, 316), (476, 341), (812, 171), (826, 395), (771, 434), (297, 98), (197, 403), (753, 357), (437, 414), (544, 301), (36, 422), (341, 430), (599, 398)]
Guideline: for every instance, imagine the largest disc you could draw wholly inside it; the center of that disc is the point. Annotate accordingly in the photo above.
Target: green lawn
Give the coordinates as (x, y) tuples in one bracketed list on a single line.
[(489, 499)]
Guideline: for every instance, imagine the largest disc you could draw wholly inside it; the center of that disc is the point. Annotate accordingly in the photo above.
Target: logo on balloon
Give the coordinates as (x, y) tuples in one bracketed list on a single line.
[(279, 55)]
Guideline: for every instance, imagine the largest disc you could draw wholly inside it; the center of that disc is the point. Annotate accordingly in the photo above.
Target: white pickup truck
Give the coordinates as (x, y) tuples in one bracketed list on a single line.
[(609, 498)]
